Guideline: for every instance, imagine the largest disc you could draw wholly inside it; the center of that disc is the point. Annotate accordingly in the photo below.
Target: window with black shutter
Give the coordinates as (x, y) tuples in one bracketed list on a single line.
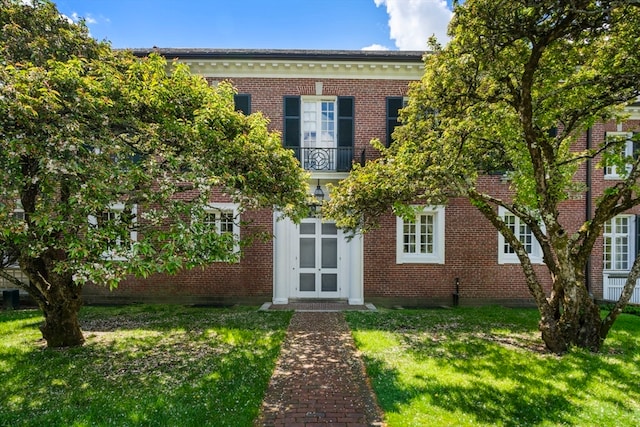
[(320, 130)]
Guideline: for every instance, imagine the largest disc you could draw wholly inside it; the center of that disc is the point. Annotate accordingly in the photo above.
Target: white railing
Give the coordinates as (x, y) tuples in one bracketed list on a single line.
[(612, 286)]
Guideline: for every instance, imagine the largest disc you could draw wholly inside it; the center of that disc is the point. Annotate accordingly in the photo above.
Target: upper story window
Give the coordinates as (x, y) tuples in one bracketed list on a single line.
[(629, 148), (318, 122), (422, 239), (320, 130), (619, 243), (506, 253)]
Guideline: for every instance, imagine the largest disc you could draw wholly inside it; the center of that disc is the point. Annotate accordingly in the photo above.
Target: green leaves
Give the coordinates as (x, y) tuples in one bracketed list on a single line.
[(84, 128)]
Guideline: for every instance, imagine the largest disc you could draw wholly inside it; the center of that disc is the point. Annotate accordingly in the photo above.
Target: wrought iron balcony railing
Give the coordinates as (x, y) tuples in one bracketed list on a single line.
[(330, 159)]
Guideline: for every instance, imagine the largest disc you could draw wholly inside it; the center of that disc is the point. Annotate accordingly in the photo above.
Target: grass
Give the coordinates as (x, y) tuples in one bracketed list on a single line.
[(488, 366), (141, 366)]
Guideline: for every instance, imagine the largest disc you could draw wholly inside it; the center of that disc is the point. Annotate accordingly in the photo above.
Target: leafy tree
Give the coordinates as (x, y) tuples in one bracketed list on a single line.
[(84, 127), (515, 88)]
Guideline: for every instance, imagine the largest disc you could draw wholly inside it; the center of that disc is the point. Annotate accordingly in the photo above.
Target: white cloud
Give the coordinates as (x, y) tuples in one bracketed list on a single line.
[(412, 22), (69, 20), (88, 19), (375, 47)]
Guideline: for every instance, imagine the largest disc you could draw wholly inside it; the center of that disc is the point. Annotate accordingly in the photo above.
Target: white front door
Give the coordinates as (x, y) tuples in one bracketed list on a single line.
[(314, 260), (318, 260)]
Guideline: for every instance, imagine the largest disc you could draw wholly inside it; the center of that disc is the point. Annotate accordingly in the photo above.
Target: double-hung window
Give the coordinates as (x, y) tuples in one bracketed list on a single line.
[(506, 253), (612, 171), (117, 227), (421, 239), (223, 218), (619, 243)]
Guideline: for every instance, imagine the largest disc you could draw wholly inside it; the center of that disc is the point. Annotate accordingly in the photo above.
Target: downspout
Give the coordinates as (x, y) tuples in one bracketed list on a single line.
[(587, 206)]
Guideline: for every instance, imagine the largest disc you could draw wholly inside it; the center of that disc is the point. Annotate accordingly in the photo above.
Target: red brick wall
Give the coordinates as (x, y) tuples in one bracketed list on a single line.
[(252, 278), (470, 240), (598, 185), (370, 101), (471, 256)]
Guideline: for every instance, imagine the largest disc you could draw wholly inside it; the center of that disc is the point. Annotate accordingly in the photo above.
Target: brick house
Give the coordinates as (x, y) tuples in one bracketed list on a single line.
[(328, 105)]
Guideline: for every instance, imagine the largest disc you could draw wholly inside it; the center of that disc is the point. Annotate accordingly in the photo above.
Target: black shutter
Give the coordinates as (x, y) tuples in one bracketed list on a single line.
[(345, 132), (394, 104), (636, 146), (242, 102), (291, 129), (291, 126)]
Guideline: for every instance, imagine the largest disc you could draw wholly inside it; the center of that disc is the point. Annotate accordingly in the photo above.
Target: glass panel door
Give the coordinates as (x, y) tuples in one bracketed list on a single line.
[(318, 259)]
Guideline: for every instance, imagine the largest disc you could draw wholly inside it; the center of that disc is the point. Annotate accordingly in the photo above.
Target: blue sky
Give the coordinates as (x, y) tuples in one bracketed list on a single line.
[(264, 24)]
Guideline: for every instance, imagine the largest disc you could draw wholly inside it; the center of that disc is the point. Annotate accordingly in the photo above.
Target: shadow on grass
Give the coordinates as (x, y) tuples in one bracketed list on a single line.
[(446, 362), (206, 367), (529, 403)]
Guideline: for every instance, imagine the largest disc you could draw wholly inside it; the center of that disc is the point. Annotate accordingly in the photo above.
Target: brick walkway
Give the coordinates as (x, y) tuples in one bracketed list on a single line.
[(318, 378)]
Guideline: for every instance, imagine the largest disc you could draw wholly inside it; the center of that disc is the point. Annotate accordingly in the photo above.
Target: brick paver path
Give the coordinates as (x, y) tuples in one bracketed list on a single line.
[(318, 378)]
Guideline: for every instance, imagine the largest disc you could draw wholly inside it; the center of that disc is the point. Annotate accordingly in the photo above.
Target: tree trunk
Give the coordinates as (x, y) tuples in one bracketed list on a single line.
[(61, 327), (60, 300), (577, 323)]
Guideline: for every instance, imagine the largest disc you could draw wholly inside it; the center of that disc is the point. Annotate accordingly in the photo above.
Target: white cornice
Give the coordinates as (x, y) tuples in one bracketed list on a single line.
[(633, 111), (381, 70)]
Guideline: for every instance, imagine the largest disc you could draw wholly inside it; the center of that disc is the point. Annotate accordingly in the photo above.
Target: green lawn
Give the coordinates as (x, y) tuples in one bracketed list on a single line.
[(488, 366), (141, 366)]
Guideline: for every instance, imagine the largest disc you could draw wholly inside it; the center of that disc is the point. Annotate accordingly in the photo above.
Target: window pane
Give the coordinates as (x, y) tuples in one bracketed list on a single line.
[(526, 237), (210, 218), (308, 228), (426, 234), (226, 222), (409, 237), (329, 252), (307, 282), (510, 221), (307, 252), (319, 124), (329, 228), (617, 249), (329, 283), (622, 254)]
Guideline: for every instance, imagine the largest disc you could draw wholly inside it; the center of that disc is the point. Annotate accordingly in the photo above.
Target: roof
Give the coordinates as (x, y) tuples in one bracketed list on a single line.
[(284, 63), (284, 54)]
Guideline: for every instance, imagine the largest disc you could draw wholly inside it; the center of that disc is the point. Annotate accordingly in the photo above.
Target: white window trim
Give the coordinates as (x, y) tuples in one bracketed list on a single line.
[(437, 256), (536, 256), (630, 242), (234, 209), (133, 235), (610, 172), (17, 210)]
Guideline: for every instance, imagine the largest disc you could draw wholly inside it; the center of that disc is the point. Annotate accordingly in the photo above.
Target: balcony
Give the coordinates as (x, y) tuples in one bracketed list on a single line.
[(612, 286), (325, 159)]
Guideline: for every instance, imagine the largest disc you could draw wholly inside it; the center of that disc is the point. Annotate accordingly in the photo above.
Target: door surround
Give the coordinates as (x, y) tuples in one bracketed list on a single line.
[(286, 264)]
